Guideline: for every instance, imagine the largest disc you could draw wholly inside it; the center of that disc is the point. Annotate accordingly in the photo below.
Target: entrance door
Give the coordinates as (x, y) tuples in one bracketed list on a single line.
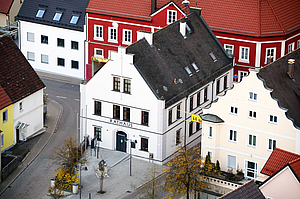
[(121, 141), (17, 135)]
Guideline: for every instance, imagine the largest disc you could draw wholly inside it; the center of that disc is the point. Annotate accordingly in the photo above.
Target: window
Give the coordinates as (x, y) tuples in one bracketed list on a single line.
[(273, 119), (191, 103), (57, 16), (44, 39), (170, 117), (2, 140), (210, 132), (271, 144), (291, 47), (116, 84), (178, 137), (244, 54), (60, 61), (127, 36), (145, 118), (198, 126), (250, 169), (21, 106), (242, 74), (178, 111), (40, 13), (44, 59), (74, 64), (97, 133), (30, 36), (172, 16), (210, 154), (127, 86), (116, 112), (198, 99), (218, 86), (191, 129), (30, 56), (98, 52), (270, 52), (225, 83), (60, 42), (98, 32), (112, 34), (4, 116), (74, 19), (144, 144), (195, 67), (97, 108), (298, 43), (205, 94), (126, 114), (233, 110), (74, 45), (188, 70), (229, 49), (251, 140), (252, 114), (253, 96), (232, 135), (231, 161)]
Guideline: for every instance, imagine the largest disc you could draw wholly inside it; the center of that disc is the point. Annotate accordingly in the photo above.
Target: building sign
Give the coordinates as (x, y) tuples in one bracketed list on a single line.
[(121, 123), (99, 59), (196, 118)]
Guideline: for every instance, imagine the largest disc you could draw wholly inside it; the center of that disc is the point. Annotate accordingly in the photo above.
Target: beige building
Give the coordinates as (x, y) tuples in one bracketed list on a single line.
[(250, 120), (8, 10)]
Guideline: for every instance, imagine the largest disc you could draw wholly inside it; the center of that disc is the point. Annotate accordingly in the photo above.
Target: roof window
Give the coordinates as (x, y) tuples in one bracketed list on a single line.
[(189, 72), (188, 29), (40, 13), (213, 56), (74, 19), (195, 67), (57, 16)]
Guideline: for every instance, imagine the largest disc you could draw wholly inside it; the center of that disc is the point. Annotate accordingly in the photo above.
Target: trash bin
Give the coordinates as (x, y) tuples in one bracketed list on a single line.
[(75, 188)]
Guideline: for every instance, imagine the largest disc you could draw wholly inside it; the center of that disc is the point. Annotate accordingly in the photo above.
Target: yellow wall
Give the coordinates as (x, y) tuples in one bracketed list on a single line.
[(7, 127)]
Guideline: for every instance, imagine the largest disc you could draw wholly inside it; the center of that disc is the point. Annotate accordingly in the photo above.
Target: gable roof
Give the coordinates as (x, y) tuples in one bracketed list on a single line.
[(5, 6), (69, 8), (295, 165), (285, 90), (278, 159), (248, 190), (17, 77), (4, 99), (162, 64)]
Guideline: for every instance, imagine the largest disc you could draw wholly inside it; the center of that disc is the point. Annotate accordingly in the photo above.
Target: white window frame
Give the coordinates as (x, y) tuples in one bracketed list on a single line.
[(253, 96), (233, 113), (244, 57), (30, 56), (274, 54), (21, 106), (30, 36), (44, 61), (269, 119), (252, 117), (230, 46), (248, 138), (246, 169), (99, 56), (172, 12), (101, 31), (229, 133), (125, 31), (228, 166), (210, 130), (298, 43), (291, 47), (6, 113), (109, 35), (242, 74), (272, 145)]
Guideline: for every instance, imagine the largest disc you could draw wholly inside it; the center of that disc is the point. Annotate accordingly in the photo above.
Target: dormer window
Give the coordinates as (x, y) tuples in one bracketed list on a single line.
[(74, 19), (40, 13), (188, 70), (57, 16), (195, 67)]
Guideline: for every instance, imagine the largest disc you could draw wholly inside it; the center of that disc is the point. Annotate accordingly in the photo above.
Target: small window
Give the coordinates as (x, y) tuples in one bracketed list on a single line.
[(298, 43), (210, 132), (144, 144), (98, 52), (40, 13), (244, 54), (242, 74), (273, 119), (189, 72), (229, 49), (44, 39), (145, 118), (191, 103), (205, 94), (60, 61), (225, 83), (252, 140), (270, 53), (30, 56), (116, 84), (252, 96), (21, 106), (232, 135), (198, 126), (213, 57), (127, 36), (195, 67), (178, 111), (291, 47), (4, 116), (74, 45), (97, 108), (271, 144), (233, 110), (231, 161), (74, 64), (116, 112), (74, 19), (126, 114), (44, 59), (127, 86), (30, 36), (198, 99), (191, 130), (178, 137), (218, 86), (252, 114), (98, 32), (57, 16), (172, 16), (112, 34), (170, 117), (2, 140), (97, 133), (60, 42)]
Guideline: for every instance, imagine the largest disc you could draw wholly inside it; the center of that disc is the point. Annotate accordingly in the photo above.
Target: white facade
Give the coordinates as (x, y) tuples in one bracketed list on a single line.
[(39, 44), (253, 125), (28, 116), (159, 133)]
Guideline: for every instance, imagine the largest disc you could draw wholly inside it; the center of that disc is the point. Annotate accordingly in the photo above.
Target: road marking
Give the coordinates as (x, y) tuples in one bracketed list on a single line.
[(77, 100), (61, 97)]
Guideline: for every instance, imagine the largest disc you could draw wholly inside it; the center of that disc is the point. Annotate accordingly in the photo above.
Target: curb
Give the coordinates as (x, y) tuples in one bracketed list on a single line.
[(54, 131)]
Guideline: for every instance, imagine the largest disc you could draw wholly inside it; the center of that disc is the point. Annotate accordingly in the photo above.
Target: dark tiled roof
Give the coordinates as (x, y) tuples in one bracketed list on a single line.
[(4, 99), (277, 160), (285, 90), (5, 6), (162, 64), (17, 77), (248, 190), (30, 8)]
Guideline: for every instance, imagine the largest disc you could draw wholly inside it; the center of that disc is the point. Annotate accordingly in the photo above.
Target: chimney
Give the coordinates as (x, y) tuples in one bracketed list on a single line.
[(269, 59), (291, 68), (147, 35), (153, 5), (183, 29), (196, 10)]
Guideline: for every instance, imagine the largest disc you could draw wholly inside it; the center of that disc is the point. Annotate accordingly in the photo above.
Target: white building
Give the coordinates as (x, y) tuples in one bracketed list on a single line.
[(52, 36), (145, 93)]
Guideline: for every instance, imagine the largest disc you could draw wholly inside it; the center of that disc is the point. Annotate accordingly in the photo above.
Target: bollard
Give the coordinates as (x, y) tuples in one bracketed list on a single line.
[(75, 188)]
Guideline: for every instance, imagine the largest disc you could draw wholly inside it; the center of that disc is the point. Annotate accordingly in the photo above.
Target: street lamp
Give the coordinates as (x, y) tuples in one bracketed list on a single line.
[(132, 145)]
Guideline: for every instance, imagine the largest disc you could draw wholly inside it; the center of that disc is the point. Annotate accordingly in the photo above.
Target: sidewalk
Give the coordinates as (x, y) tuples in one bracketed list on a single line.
[(35, 145)]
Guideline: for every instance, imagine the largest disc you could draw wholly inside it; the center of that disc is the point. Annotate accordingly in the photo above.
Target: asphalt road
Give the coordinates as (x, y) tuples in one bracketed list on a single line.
[(35, 180)]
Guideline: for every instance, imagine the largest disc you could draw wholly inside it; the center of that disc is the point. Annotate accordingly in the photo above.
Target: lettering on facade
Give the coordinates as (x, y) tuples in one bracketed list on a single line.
[(121, 123)]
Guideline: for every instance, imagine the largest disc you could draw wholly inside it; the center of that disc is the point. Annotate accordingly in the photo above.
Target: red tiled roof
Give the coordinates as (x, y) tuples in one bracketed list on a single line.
[(4, 99), (277, 160), (5, 6), (295, 164), (17, 77)]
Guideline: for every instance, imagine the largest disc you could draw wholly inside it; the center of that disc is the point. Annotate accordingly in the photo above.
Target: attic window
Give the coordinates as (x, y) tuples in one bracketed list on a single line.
[(40, 13), (195, 67), (74, 19), (57, 16), (213, 56), (189, 72)]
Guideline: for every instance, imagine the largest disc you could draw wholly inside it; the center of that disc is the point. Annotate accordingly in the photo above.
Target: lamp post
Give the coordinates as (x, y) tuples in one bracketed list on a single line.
[(132, 143)]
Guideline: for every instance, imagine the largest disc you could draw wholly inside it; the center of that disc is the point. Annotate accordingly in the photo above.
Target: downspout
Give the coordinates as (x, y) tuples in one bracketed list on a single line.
[(185, 120)]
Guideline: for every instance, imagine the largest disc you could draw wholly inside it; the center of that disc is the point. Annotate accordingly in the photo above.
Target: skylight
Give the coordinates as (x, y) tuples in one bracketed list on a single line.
[(40, 13), (74, 19), (189, 72), (188, 28), (57, 16), (213, 56), (195, 67)]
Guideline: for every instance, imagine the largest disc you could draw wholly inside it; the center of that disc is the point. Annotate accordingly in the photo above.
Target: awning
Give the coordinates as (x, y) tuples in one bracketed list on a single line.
[(100, 59), (21, 125)]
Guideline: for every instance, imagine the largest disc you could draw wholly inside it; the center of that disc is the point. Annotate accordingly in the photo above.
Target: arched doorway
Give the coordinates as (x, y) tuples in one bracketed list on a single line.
[(121, 141)]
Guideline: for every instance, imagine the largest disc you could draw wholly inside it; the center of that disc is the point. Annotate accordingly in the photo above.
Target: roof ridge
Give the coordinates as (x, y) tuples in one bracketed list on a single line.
[(295, 160), (268, 1)]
